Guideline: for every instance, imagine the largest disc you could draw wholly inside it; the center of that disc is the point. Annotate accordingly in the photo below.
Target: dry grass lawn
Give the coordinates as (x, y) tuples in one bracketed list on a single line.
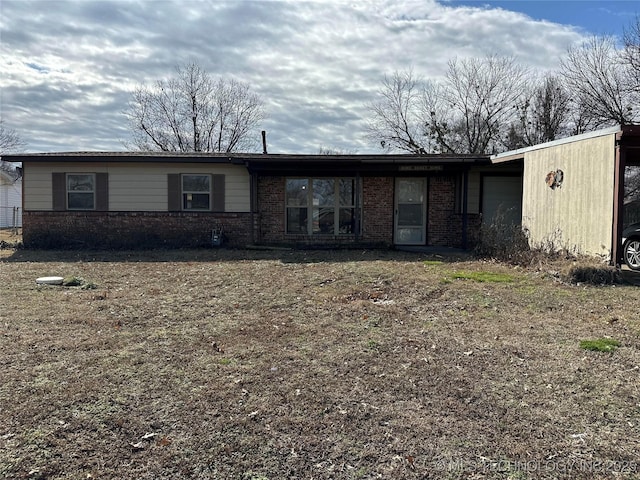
[(10, 236), (311, 365)]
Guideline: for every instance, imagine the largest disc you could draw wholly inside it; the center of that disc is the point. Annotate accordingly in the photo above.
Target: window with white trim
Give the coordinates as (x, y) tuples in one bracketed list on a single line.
[(81, 191), (321, 206), (196, 192)]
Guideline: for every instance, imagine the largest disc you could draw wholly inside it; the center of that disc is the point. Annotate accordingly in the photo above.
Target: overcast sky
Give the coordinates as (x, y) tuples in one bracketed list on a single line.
[(67, 67)]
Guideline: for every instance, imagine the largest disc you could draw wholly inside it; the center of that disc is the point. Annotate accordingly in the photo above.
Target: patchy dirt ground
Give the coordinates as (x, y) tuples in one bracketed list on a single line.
[(311, 365), (10, 236)]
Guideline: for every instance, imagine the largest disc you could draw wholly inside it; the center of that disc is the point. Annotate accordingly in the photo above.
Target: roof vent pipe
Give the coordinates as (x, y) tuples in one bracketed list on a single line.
[(264, 142)]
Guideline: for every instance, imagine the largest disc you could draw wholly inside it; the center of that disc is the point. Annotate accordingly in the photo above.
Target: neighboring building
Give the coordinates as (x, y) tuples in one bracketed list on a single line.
[(573, 190), (10, 195)]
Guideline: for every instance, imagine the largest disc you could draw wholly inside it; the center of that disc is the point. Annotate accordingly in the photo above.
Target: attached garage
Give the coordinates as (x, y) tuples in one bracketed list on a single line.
[(502, 199)]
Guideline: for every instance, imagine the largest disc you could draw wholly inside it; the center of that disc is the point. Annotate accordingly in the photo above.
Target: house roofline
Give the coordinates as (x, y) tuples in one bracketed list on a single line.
[(263, 160)]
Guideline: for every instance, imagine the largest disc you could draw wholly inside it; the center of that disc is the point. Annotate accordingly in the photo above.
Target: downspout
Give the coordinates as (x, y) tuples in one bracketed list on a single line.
[(358, 215), (465, 217), (253, 200)]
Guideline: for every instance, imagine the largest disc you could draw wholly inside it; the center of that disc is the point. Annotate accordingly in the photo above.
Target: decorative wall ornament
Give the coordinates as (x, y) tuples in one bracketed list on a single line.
[(554, 179)]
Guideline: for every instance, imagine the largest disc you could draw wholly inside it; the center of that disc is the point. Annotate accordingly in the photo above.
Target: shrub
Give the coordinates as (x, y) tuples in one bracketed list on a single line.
[(594, 275), (503, 240)]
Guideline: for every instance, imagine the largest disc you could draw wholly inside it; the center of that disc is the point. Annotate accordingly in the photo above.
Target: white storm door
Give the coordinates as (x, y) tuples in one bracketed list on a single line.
[(410, 211)]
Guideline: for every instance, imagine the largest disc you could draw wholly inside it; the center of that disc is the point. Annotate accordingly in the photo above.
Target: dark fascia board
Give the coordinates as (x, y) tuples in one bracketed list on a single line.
[(630, 130), (349, 165), (629, 136), (629, 141), (362, 159), (360, 164), (119, 157), (257, 161)]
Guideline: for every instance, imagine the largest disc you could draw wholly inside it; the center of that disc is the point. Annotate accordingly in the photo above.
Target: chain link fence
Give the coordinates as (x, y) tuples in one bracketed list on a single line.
[(10, 217)]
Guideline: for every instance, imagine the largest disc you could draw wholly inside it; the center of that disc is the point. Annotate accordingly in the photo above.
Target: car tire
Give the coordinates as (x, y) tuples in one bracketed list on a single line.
[(631, 253)]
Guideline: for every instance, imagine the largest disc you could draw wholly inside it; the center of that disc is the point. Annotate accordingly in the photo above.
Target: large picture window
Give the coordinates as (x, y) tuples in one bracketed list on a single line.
[(196, 192), (321, 206), (81, 191)]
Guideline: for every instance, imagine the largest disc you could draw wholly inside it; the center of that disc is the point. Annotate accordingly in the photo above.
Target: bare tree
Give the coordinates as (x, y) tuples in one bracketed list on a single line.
[(631, 52), (482, 92), (192, 112), (598, 77), (469, 112), (580, 118), (398, 119), (10, 141), (631, 183), (543, 115)]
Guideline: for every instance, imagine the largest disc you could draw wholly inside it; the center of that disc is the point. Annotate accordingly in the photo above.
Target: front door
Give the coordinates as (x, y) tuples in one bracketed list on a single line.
[(410, 211)]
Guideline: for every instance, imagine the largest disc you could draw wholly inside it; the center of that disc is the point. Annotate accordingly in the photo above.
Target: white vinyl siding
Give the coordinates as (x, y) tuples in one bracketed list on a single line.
[(135, 187), (10, 204)]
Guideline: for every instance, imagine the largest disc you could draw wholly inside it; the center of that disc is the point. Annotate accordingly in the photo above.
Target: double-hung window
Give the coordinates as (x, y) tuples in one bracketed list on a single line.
[(321, 206), (81, 191), (196, 192)]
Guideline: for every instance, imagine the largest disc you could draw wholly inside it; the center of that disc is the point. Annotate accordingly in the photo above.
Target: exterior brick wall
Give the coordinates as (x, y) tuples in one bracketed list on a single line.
[(377, 213), (132, 229), (271, 199), (444, 226), (48, 229)]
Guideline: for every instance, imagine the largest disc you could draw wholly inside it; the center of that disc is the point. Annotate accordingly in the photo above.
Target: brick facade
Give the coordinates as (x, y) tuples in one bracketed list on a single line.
[(377, 216), (271, 222), (377, 213), (73, 229), (132, 229), (444, 226)]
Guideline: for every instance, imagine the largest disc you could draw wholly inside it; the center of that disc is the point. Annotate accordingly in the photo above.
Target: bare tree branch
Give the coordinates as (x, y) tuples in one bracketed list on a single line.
[(10, 141), (598, 78), (398, 119), (467, 113), (193, 113), (631, 53), (543, 114), (483, 93)]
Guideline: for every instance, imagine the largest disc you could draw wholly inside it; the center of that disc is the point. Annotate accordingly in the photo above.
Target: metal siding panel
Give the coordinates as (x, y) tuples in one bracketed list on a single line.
[(578, 215)]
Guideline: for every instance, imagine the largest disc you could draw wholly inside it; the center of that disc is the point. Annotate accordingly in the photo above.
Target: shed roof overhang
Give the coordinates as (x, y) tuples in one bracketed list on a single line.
[(628, 138)]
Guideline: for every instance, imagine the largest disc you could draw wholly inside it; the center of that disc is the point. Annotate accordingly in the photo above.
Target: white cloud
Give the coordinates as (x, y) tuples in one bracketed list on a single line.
[(68, 71)]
